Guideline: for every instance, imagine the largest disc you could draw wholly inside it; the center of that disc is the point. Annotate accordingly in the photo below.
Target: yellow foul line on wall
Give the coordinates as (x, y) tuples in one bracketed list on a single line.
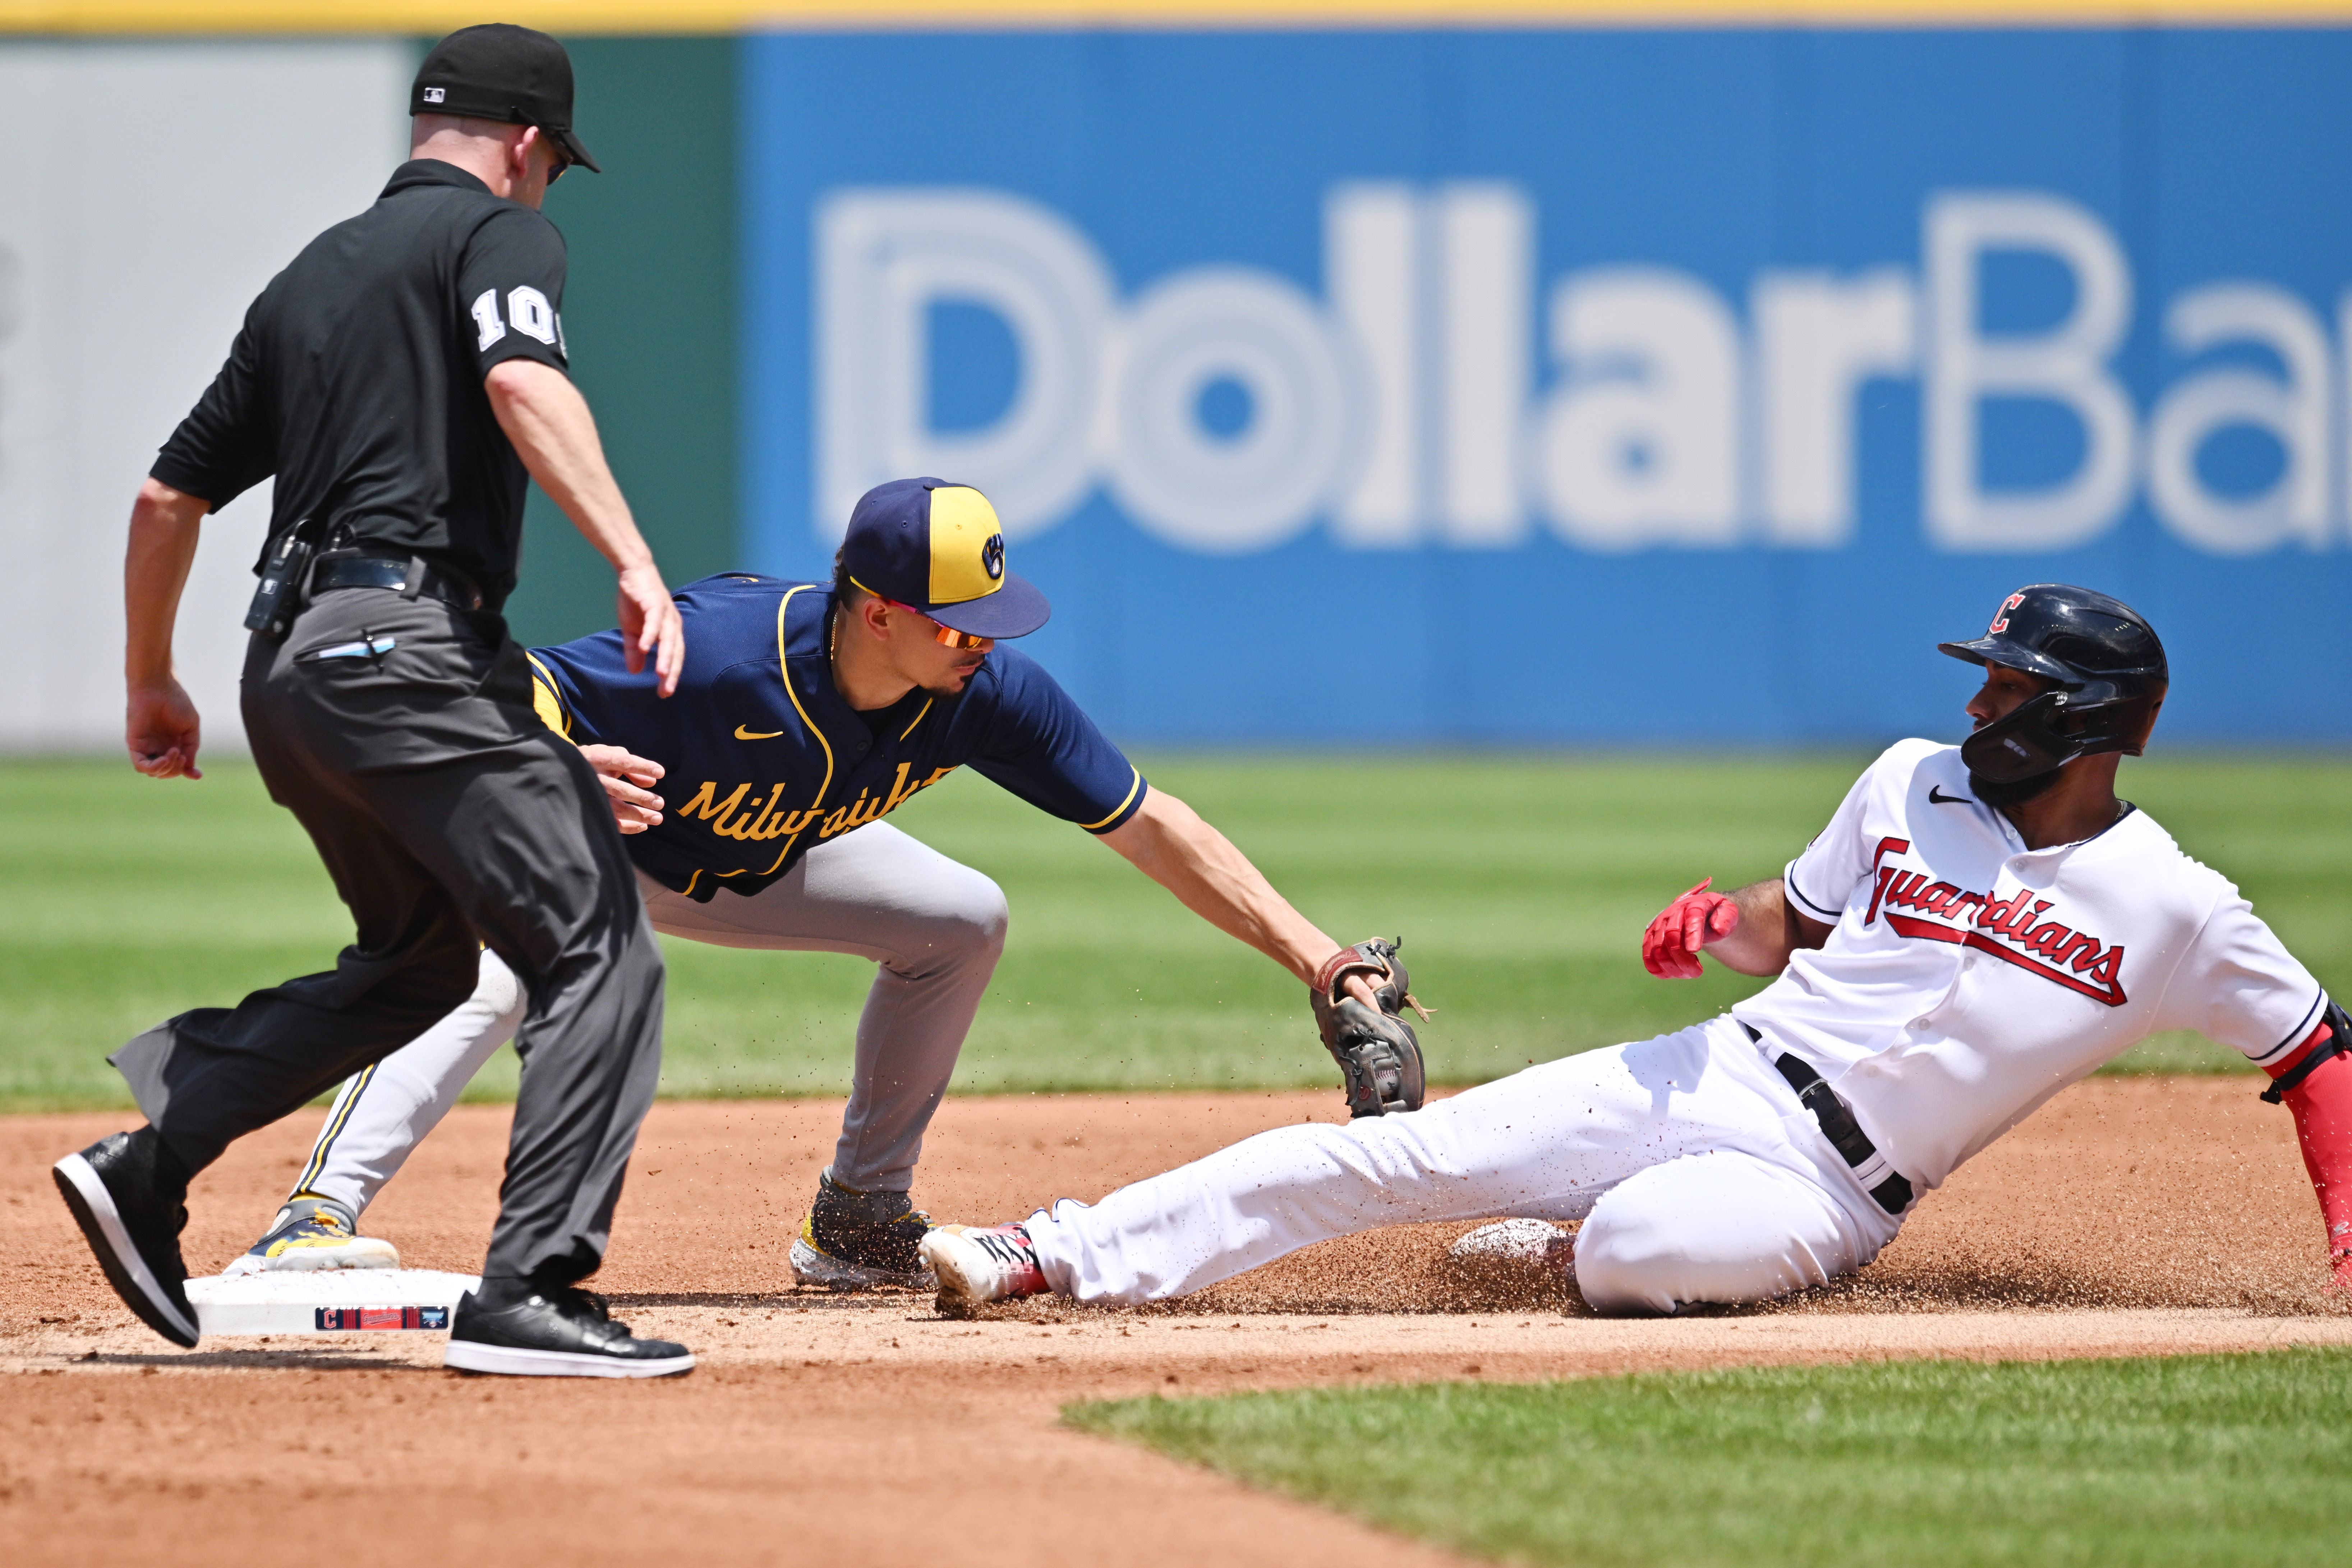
[(580, 17)]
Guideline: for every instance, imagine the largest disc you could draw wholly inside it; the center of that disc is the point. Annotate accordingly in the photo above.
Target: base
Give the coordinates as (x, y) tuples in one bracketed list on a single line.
[(328, 1300)]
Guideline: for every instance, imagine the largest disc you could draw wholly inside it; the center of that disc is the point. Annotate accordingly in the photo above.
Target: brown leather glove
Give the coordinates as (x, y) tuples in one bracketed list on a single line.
[(1378, 1052)]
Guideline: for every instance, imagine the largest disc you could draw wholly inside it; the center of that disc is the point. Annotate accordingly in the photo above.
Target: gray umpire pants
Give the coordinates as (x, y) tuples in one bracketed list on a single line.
[(446, 813), (934, 928)]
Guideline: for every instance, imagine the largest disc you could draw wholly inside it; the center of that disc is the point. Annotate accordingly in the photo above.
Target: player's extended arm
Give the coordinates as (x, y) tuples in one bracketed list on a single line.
[(159, 724), (2314, 1082), (1753, 931), (1168, 842), (553, 431)]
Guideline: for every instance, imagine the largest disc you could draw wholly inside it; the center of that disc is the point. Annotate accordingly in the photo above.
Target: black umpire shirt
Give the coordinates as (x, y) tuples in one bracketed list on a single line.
[(357, 379)]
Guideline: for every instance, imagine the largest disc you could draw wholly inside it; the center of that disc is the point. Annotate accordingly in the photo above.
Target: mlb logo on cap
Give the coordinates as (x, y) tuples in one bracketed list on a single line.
[(938, 548)]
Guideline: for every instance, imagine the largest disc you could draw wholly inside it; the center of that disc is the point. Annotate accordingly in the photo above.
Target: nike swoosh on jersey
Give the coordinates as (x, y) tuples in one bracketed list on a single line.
[(1935, 795), (743, 734)]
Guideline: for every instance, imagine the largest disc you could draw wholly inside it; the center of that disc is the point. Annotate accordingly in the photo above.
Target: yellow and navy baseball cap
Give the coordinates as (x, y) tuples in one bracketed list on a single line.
[(937, 547)]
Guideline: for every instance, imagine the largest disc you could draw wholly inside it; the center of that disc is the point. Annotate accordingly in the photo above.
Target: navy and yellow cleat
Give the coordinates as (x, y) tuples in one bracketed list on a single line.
[(314, 1233), (861, 1241)]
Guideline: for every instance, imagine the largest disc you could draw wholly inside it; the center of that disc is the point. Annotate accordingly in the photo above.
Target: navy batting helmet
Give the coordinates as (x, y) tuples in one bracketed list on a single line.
[(2106, 667)]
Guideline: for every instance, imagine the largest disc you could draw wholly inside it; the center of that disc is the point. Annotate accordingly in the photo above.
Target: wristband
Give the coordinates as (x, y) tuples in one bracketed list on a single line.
[(2287, 1082)]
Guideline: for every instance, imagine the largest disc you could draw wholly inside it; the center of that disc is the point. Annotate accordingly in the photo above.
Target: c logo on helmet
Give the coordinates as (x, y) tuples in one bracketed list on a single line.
[(2000, 622), (992, 557)]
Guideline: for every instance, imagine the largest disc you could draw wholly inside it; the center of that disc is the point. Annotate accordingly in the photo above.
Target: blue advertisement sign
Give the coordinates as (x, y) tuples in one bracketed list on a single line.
[(1598, 386)]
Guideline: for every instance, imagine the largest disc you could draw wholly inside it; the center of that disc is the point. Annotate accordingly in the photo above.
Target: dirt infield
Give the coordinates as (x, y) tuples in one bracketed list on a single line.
[(2128, 1218)]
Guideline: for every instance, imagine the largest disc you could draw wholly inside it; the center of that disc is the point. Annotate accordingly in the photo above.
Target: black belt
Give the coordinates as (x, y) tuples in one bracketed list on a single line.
[(409, 576), (1838, 1125)]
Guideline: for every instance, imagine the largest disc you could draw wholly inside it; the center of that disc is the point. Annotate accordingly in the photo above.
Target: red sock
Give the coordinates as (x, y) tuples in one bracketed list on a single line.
[(2322, 1104)]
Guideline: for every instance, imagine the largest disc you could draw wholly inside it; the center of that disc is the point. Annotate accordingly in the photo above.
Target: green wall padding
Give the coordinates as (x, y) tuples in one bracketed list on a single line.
[(649, 315)]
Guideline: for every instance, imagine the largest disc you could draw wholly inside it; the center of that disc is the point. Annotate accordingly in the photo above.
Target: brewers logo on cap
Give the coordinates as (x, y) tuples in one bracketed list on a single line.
[(939, 547), (967, 546)]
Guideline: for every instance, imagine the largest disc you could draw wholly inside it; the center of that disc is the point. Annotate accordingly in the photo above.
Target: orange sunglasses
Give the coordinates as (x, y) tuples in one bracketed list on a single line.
[(946, 637)]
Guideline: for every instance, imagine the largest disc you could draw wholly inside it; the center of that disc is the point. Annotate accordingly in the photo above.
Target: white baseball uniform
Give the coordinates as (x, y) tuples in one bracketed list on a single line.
[(1966, 979)]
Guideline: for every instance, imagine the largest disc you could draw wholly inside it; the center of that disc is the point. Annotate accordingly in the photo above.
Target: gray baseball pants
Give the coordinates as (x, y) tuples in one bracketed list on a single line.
[(400, 734), (935, 928)]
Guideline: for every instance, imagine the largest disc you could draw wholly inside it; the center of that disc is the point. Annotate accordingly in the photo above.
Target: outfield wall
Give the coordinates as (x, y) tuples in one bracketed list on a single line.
[(138, 218), (135, 225), (1575, 385), (1551, 385)]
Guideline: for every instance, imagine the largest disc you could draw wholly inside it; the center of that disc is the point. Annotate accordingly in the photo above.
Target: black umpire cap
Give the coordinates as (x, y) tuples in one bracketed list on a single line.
[(500, 71)]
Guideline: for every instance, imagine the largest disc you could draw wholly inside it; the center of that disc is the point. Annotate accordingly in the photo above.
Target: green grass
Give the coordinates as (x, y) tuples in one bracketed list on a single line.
[(1520, 883), (2222, 1460)]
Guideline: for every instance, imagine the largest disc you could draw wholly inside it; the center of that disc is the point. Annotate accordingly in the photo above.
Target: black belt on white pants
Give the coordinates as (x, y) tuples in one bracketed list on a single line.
[(1844, 1134)]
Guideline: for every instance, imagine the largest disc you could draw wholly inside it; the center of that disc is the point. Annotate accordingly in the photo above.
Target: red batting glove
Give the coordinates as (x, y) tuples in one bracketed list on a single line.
[(1670, 947)]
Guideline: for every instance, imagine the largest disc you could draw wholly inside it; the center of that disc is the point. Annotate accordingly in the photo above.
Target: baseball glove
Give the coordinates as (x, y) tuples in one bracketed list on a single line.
[(1377, 1051)]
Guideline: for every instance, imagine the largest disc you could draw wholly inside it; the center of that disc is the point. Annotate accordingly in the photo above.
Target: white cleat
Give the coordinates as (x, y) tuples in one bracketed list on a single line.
[(979, 1264), (312, 1234)]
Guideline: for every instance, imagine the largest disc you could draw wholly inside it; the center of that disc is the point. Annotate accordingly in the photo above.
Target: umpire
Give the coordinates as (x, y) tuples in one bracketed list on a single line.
[(401, 380)]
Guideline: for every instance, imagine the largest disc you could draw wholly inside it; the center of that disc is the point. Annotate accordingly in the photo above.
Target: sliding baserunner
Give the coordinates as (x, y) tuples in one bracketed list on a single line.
[(1978, 927), (806, 714)]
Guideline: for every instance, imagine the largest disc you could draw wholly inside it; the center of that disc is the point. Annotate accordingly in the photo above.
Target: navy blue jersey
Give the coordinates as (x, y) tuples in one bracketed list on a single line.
[(766, 759)]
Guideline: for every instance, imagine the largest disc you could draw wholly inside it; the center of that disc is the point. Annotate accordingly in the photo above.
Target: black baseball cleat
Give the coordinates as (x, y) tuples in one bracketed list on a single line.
[(555, 1331), (126, 1193), (861, 1241)]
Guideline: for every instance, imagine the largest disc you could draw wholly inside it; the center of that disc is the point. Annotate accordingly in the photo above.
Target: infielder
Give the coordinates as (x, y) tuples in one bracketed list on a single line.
[(1978, 927), (804, 715)]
